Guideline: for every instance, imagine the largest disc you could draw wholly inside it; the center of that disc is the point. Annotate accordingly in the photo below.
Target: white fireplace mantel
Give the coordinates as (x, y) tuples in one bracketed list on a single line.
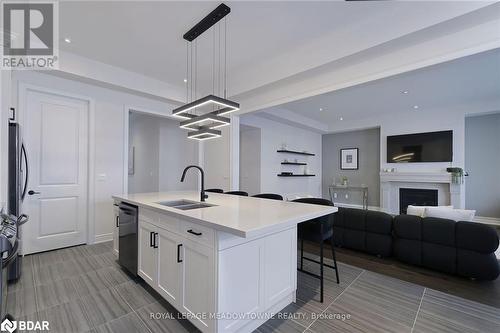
[(390, 183), (416, 177)]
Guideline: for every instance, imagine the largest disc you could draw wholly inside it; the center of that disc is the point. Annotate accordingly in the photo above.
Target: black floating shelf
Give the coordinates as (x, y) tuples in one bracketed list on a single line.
[(297, 175), (295, 152), (293, 163)]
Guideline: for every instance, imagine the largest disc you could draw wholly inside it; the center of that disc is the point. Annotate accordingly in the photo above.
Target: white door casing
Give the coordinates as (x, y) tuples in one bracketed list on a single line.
[(56, 137)]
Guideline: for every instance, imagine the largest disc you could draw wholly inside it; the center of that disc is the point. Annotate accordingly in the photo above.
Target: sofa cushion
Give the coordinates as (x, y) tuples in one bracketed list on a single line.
[(338, 236), (439, 257), (476, 237), (377, 244), (408, 227), (338, 218), (452, 214), (354, 239), (477, 265), (438, 231), (408, 251), (378, 222), (354, 218)]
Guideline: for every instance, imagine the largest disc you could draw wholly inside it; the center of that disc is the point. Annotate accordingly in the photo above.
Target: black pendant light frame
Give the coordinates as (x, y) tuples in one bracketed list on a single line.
[(204, 126)]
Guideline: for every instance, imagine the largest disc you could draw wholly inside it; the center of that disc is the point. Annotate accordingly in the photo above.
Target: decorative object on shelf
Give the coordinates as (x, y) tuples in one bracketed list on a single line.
[(457, 175), (349, 158), (203, 116), (344, 181)]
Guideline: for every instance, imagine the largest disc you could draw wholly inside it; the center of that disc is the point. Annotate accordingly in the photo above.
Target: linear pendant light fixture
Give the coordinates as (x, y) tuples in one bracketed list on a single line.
[(201, 116), (210, 120)]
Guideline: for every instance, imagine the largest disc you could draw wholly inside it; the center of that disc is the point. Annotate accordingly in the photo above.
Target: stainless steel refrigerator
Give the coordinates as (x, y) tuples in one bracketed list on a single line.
[(17, 184)]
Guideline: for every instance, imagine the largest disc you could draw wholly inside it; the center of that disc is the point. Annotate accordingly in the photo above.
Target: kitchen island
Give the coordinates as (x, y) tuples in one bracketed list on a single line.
[(227, 264)]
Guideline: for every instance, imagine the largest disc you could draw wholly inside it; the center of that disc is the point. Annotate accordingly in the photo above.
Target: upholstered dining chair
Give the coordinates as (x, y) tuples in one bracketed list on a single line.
[(271, 196), (215, 190), (242, 193), (317, 230)]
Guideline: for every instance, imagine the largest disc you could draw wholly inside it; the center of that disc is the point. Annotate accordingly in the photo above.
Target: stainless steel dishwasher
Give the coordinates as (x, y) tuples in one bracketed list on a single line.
[(127, 223)]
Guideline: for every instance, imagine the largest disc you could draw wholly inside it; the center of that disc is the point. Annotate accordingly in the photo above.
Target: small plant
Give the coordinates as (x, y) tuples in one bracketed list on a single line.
[(344, 180)]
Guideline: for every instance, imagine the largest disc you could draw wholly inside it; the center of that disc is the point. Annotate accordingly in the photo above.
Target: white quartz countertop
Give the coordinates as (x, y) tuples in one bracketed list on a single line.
[(241, 216)]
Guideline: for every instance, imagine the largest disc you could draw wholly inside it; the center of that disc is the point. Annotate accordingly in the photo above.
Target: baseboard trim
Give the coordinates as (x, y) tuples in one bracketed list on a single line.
[(488, 220), (103, 238)]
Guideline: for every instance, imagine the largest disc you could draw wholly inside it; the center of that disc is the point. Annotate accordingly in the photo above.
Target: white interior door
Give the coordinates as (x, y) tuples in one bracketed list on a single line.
[(56, 136)]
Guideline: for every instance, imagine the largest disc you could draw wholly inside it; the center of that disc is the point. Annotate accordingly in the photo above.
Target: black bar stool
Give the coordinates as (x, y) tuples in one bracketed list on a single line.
[(271, 196), (242, 193), (215, 190), (317, 230)]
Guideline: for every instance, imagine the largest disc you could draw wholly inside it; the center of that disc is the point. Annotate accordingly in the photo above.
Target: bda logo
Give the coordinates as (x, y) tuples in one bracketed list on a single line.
[(9, 326)]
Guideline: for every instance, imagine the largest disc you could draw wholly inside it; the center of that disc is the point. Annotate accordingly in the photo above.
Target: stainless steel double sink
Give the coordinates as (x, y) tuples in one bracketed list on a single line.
[(184, 204)]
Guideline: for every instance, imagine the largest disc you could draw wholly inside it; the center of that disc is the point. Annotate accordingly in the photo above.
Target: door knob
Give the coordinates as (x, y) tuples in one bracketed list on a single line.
[(31, 192)]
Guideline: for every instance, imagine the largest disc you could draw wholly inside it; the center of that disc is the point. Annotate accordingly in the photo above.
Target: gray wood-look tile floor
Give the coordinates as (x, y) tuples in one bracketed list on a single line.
[(83, 289)]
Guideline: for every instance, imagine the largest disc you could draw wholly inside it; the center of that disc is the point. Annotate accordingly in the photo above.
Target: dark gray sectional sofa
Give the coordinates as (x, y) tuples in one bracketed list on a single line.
[(463, 248)]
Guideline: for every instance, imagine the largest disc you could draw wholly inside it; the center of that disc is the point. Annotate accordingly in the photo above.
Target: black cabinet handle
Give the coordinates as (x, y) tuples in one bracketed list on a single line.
[(194, 232), (155, 244), (31, 192), (151, 239), (179, 253), (118, 221)]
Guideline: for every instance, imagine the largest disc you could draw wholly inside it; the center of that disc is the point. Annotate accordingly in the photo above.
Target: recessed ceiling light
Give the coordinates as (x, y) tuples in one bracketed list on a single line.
[(185, 80), (341, 118), (415, 107), (321, 109), (67, 40), (405, 92)]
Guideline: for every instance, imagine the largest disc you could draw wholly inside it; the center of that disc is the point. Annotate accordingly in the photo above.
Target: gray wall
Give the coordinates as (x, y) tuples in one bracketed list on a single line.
[(368, 142), (482, 161)]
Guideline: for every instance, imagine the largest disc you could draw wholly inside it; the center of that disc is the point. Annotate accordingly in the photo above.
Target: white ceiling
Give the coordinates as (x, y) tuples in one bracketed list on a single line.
[(464, 81), (267, 41)]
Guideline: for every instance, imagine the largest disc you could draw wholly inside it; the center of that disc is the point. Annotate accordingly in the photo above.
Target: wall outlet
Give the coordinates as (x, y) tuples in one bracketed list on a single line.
[(347, 196), (335, 195)]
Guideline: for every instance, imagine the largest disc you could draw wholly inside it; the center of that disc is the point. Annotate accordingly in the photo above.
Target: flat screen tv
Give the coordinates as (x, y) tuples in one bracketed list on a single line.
[(420, 147)]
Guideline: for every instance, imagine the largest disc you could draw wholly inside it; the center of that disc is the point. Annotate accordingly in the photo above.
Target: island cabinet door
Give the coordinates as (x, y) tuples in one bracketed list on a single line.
[(169, 266), (147, 256), (198, 284)]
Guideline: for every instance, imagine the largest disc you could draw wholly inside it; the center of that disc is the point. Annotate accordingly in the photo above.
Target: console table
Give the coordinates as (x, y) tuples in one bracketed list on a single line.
[(363, 189)]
